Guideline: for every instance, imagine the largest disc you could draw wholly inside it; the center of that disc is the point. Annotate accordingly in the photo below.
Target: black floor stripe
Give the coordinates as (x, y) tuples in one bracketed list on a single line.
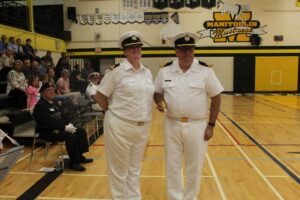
[(36, 189), (280, 164)]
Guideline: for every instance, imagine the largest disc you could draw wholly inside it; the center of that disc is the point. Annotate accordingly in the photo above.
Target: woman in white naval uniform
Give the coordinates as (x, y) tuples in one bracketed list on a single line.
[(130, 90), (185, 84)]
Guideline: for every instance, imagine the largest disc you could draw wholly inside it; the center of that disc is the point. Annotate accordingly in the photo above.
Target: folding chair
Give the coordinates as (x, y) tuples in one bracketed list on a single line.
[(37, 140)]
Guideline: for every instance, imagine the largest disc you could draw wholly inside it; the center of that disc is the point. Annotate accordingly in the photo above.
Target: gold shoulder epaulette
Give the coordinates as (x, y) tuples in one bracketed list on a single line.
[(168, 64), (205, 64), (114, 66)]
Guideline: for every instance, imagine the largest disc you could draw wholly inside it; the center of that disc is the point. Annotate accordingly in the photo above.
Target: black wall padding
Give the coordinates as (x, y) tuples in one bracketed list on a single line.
[(244, 74)]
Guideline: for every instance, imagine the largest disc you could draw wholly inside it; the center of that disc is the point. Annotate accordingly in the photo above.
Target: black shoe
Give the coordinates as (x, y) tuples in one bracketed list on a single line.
[(85, 160), (77, 167)]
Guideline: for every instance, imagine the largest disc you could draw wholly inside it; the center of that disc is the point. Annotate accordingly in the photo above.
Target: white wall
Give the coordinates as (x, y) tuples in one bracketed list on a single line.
[(280, 16)]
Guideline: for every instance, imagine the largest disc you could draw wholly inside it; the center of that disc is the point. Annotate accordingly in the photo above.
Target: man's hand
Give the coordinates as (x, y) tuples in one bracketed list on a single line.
[(161, 106), (209, 132), (159, 100), (70, 128)]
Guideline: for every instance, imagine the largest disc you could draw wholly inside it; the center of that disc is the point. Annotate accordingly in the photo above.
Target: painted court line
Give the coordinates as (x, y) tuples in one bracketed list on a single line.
[(250, 162), (216, 177), (277, 176), (290, 172), (105, 175), (27, 155), (59, 198), (7, 197)]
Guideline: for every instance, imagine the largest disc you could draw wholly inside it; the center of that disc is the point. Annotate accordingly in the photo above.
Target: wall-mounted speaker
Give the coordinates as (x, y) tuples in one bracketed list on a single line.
[(71, 13), (255, 40)]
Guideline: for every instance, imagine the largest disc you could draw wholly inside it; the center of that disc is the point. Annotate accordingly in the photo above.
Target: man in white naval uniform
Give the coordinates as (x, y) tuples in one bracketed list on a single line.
[(184, 86), (130, 90), (91, 90)]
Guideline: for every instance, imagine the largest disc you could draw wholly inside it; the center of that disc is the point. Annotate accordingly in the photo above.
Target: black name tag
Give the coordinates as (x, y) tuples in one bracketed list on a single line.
[(168, 80)]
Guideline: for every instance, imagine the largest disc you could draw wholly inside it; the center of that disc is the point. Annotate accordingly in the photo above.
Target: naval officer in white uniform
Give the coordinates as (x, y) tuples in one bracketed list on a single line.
[(184, 86), (130, 90)]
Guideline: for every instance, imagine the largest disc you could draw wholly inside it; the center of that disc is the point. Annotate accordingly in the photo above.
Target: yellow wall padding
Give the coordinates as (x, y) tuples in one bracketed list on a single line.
[(276, 73), (38, 41)]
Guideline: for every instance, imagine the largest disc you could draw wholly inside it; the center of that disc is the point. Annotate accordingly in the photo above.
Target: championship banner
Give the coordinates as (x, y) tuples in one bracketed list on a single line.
[(131, 17), (123, 18), (145, 3), (83, 19), (208, 3), (164, 17), (115, 18), (107, 18), (140, 17), (156, 17), (98, 19), (176, 4), (192, 3), (175, 17), (148, 17), (160, 4), (91, 19)]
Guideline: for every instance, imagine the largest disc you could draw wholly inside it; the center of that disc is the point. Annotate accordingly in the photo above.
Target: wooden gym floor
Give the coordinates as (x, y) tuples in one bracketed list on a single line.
[(254, 154)]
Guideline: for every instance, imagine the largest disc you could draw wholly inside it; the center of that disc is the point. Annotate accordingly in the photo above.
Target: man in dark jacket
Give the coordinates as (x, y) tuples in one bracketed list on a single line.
[(52, 127)]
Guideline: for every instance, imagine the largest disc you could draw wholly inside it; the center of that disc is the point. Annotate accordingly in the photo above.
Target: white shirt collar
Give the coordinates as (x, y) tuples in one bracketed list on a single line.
[(128, 65), (193, 68)]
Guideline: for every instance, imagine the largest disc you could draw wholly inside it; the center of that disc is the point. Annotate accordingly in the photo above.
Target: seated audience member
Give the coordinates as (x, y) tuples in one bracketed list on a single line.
[(63, 63), (51, 126), (26, 68), (12, 44), (3, 44), (19, 55), (92, 89), (28, 49), (63, 86), (63, 83), (48, 58), (6, 63), (50, 78), (32, 92), (77, 83), (16, 85), (43, 67), (87, 69), (35, 69)]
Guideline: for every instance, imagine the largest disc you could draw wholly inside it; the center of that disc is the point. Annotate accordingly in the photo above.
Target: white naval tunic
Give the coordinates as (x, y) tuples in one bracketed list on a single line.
[(186, 96), (126, 126), (90, 91)]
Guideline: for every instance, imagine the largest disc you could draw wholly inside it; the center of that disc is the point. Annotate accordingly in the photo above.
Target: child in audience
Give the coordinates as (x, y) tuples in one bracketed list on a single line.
[(32, 91)]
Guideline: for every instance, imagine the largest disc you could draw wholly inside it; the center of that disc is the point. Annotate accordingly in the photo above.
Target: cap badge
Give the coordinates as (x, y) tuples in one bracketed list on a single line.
[(134, 38), (187, 38)]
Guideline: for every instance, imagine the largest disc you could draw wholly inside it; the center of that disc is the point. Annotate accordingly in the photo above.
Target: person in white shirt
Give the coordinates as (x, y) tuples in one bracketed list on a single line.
[(91, 90), (130, 90), (183, 87)]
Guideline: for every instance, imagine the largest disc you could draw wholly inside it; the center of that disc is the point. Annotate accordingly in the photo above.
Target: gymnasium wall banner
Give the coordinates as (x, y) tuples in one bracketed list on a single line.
[(231, 24), (124, 18)]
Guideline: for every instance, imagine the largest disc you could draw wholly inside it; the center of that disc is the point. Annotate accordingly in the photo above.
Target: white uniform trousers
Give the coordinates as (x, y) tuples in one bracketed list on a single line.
[(124, 146), (184, 140)]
